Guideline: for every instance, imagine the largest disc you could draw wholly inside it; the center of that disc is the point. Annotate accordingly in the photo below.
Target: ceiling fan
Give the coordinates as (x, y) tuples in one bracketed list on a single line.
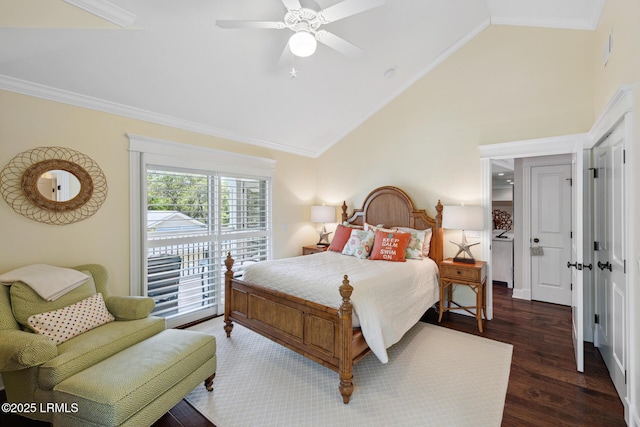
[(306, 24)]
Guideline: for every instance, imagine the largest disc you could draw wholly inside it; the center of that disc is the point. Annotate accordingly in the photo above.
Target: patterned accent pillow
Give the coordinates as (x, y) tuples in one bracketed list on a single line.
[(390, 246), (419, 244), (63, 324), (359, 244)]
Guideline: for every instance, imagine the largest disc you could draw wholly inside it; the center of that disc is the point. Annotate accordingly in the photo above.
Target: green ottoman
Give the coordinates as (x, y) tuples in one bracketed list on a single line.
[(138, 385)]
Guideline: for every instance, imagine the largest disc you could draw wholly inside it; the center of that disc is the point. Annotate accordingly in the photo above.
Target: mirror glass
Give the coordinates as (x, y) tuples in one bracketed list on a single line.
[(58, 185)]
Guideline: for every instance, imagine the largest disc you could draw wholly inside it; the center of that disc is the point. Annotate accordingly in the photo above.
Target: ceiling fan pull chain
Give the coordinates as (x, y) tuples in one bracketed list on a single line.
[(293, 72)]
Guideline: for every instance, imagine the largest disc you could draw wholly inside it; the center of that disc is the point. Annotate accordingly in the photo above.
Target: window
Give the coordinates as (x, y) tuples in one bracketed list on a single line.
[(191, 212)]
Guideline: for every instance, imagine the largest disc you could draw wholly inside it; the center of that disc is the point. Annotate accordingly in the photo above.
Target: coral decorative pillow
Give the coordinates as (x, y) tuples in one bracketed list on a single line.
[(390, 246), (63, 324), (359, 244), (340, 238)]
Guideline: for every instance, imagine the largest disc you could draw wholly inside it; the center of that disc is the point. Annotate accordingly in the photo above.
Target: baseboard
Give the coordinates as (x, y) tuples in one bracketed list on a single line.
[(521, 294), (634, 419)]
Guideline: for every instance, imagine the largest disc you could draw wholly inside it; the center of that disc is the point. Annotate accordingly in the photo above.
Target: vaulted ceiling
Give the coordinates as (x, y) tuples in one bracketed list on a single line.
[(167, 62)]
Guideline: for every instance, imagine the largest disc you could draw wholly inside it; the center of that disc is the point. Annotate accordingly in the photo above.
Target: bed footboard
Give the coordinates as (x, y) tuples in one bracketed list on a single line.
[(320, 333)]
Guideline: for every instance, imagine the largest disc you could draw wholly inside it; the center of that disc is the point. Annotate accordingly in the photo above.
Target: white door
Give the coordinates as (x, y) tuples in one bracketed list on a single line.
[(610, 280), (577, 298), (551, 230)]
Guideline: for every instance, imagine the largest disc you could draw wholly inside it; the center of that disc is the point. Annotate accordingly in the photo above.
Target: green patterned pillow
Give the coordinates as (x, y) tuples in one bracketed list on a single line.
[(419, 244), (359, 244)]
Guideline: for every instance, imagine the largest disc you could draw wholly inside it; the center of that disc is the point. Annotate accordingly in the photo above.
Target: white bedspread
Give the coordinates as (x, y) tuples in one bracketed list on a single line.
[(388, 297)]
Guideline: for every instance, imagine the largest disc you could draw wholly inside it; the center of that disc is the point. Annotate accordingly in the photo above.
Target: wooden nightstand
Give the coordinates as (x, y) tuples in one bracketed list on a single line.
[(313, 249), (472, 275)]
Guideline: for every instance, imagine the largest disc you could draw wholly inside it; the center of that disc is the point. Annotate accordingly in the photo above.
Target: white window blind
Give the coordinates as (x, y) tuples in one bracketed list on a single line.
[(193, 220), (190, 216)]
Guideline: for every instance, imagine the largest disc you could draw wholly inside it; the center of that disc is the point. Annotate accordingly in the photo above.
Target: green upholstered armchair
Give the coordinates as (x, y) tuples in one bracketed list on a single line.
[(32, 365)]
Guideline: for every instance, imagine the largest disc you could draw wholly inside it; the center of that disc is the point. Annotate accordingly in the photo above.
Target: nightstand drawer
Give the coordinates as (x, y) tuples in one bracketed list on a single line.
[(463, 273)]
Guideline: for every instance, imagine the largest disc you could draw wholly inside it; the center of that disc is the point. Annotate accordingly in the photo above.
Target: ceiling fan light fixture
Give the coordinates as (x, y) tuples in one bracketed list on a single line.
[(302, 44)]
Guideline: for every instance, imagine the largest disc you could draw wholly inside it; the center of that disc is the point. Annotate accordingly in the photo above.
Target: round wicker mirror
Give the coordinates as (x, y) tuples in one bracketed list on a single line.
[(26, 185)]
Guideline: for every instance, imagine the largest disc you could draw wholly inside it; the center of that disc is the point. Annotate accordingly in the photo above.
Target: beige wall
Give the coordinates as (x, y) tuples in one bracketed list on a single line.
[(27, 122), (507, 84)]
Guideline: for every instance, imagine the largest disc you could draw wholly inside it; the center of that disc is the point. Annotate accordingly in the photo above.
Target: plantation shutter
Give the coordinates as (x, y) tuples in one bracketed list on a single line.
[(193, 219)]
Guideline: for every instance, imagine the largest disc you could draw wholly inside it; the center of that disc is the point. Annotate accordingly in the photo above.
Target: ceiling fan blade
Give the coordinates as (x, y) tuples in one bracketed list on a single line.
[(339, 44), (347, 8), (251, 24), (292, 4)]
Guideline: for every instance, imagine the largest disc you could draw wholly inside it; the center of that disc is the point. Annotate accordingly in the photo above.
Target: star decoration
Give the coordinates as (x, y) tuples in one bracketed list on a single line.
[(324, 236), (464, 247), (293, 73)]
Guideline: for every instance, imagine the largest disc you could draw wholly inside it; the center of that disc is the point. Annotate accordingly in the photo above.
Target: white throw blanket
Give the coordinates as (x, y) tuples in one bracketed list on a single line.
[(48, 281), (388, 297)]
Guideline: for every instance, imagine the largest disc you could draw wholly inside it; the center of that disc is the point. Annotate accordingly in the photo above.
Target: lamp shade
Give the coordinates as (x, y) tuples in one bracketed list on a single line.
[(463, 217), (302, 44), (323, 214)]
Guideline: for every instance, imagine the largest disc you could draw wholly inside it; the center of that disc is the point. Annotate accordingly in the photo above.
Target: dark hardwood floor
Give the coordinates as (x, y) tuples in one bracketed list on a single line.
[(544, 387)]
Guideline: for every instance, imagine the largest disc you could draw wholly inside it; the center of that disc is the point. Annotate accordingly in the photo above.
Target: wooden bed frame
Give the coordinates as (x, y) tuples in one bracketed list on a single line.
[(320, 333)]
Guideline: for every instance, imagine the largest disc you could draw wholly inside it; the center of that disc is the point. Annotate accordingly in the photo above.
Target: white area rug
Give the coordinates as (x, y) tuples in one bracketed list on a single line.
[(435, 377)]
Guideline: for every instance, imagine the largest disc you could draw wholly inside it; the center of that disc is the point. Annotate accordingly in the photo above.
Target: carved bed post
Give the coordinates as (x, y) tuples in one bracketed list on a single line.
[(438, 253), (346, 336), (344, 211), (228, 275)]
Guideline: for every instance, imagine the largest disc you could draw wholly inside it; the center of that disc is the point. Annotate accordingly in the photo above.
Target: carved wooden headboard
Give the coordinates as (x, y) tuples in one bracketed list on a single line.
[(393, 207)]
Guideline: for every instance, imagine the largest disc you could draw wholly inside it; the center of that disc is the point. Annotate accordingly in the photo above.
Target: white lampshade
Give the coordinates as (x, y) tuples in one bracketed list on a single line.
[(463, 217), (323, 214), (302, 44)]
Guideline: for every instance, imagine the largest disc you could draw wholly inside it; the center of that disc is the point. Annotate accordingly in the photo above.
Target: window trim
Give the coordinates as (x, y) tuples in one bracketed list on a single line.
[(145, 151)]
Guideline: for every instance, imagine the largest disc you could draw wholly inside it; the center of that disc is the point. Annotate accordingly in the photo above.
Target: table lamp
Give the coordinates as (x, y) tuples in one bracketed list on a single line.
[(323, 214), (463, 218)]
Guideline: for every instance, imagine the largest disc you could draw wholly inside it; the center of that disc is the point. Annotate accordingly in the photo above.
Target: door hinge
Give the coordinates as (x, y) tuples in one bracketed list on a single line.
[(625, 266), (625, 376), (596, 246), (624, 156), (571, 234), (571, 286), (595, 172), (597, 319)]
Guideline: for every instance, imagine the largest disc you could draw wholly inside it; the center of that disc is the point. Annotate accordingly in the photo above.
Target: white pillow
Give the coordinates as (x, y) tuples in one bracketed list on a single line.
[(379, 227), (70, 321)]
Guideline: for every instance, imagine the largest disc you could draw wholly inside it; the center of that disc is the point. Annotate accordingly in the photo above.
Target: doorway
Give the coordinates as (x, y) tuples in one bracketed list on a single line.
[(571, 146), (550, 230)]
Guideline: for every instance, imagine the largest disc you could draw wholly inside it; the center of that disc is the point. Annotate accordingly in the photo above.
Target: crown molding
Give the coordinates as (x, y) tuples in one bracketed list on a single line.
[(66, 97), (106, 10), (588, 23), (570, 24)]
